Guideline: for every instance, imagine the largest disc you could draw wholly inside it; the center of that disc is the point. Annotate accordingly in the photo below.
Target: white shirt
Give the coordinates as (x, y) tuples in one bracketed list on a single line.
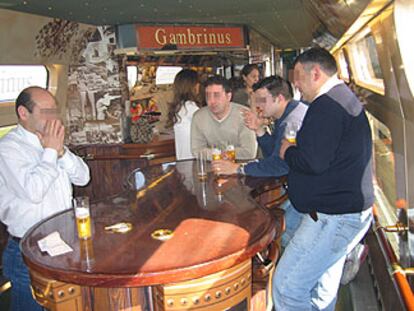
[(330, 83), (182, 131), (34, 183)]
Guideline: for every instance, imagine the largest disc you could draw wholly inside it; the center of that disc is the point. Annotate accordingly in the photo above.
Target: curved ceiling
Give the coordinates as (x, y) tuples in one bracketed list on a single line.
[(285, 23)]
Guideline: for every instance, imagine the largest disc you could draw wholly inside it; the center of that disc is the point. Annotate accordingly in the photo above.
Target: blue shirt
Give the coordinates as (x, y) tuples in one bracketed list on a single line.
[(272, 165)]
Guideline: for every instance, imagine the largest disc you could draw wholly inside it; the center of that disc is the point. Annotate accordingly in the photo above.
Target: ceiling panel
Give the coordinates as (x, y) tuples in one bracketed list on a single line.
[(285, 23)]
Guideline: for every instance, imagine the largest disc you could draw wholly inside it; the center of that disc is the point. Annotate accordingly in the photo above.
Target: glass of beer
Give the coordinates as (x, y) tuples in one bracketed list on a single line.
[(83, 217), (216, 153), (230, 153), (202, 165), (290, 131)]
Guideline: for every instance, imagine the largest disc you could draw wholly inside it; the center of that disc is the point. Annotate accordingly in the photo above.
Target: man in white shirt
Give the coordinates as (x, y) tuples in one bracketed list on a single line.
[(36, 176), (221, 124)]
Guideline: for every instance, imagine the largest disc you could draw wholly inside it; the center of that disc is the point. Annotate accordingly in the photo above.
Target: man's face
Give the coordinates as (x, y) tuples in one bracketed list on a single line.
[(218, 101), (44, 110), (304, 82), (266, 103)]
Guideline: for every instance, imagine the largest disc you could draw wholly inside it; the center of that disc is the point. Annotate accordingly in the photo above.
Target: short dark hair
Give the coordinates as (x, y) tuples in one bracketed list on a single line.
[(218, 80), (318, 56), (275, 85), (25, 99)]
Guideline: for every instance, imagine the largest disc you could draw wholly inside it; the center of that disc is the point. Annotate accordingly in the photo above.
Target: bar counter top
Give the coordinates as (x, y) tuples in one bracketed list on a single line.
[(216, 224)]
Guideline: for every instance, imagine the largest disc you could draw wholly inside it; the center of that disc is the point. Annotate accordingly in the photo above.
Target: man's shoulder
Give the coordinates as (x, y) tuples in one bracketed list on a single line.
[(201, 112), (237, 106), (344, 99), (11, 141)]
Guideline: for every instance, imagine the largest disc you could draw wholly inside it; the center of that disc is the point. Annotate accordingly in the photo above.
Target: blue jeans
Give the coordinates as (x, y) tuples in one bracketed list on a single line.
[(292, 221), (308, 273), (16, 271)]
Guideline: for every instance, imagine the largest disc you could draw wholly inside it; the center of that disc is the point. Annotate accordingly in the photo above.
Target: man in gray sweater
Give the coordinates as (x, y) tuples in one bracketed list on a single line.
[(221, 124)]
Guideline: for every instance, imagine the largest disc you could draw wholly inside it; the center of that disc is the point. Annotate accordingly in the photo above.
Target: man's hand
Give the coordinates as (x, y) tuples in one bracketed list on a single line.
[(283, 147), (53, 136), (224, 167), (253, 121)]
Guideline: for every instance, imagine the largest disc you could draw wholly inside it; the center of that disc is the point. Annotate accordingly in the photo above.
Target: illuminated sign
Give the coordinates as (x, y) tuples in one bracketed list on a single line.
[(186, 37)]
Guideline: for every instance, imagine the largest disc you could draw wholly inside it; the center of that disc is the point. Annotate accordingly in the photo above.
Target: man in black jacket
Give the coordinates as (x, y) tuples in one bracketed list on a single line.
[(330, 179)]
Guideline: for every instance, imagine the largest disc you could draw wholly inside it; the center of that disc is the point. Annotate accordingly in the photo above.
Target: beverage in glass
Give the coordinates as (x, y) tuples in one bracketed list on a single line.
[(290, 131), (230, 153), (83, 217), (202, 165), (215, 153)]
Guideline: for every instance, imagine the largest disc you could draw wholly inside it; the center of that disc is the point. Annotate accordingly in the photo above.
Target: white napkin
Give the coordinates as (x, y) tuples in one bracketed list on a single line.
[(54, 245)]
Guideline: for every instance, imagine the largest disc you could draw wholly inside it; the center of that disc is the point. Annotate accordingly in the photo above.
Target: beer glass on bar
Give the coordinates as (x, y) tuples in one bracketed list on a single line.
[(230, 153), (83, 217), (202, 165), (216, 153)]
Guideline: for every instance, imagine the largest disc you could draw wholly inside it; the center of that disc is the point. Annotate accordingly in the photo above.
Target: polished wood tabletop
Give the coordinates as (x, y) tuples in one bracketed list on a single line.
[(216, 224)]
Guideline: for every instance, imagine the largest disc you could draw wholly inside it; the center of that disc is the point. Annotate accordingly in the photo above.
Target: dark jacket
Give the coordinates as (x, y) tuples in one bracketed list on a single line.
[(330, 168)]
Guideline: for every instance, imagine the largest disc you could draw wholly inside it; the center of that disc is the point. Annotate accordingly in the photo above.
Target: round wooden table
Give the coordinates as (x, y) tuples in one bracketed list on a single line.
[(217, 228)]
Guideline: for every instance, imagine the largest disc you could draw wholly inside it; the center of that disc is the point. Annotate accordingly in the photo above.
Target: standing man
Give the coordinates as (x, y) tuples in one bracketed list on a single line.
[(36, 176), (220, 123), (330, 179)]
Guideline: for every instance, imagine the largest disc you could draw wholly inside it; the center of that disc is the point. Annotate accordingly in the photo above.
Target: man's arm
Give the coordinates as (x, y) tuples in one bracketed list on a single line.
[(247, 148), (27, 178), (318, 140), (75, 167)]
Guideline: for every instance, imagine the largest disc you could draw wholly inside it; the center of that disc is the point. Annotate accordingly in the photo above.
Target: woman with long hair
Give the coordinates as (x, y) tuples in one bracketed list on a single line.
[(249, 75), (186, 91)]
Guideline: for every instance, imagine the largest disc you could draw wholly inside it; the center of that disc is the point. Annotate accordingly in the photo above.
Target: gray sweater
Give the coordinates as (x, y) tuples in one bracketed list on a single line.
[(207, 132)]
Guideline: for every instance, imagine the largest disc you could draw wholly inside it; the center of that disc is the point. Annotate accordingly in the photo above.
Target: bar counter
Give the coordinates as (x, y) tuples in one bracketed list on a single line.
[(217, 228)]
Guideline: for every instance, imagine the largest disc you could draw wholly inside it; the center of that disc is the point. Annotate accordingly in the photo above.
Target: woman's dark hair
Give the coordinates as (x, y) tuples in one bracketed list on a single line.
[(184, 89), (247, 69)]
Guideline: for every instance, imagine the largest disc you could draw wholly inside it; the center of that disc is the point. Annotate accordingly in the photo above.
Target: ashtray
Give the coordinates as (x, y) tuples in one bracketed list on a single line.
[(162, 234), (121, 227)]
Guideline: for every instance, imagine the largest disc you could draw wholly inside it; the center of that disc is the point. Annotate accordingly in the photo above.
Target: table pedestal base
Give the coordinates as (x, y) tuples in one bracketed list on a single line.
[(225, 290)]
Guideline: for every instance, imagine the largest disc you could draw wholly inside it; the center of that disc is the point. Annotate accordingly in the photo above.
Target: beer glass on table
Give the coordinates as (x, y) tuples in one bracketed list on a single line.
[(202, 165), (230, 153), (83, 217)]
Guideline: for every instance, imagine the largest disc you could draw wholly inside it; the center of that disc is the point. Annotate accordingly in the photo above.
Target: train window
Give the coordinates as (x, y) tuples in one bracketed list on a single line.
[(366, 62), (343, 66), (384, 168), (404, 23), (166, 74), (13, 79), (5, 129)]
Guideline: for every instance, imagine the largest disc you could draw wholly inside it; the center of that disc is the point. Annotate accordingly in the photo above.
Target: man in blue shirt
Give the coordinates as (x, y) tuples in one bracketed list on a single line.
[(273, 97), (330, 183)]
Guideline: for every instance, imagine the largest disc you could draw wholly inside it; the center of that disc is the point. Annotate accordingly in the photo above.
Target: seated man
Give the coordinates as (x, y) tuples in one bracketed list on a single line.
[(36, 176), (273, 97), (220, 123)]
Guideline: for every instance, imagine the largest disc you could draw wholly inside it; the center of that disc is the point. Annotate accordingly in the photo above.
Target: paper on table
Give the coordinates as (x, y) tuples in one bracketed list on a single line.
[(54, 245)]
